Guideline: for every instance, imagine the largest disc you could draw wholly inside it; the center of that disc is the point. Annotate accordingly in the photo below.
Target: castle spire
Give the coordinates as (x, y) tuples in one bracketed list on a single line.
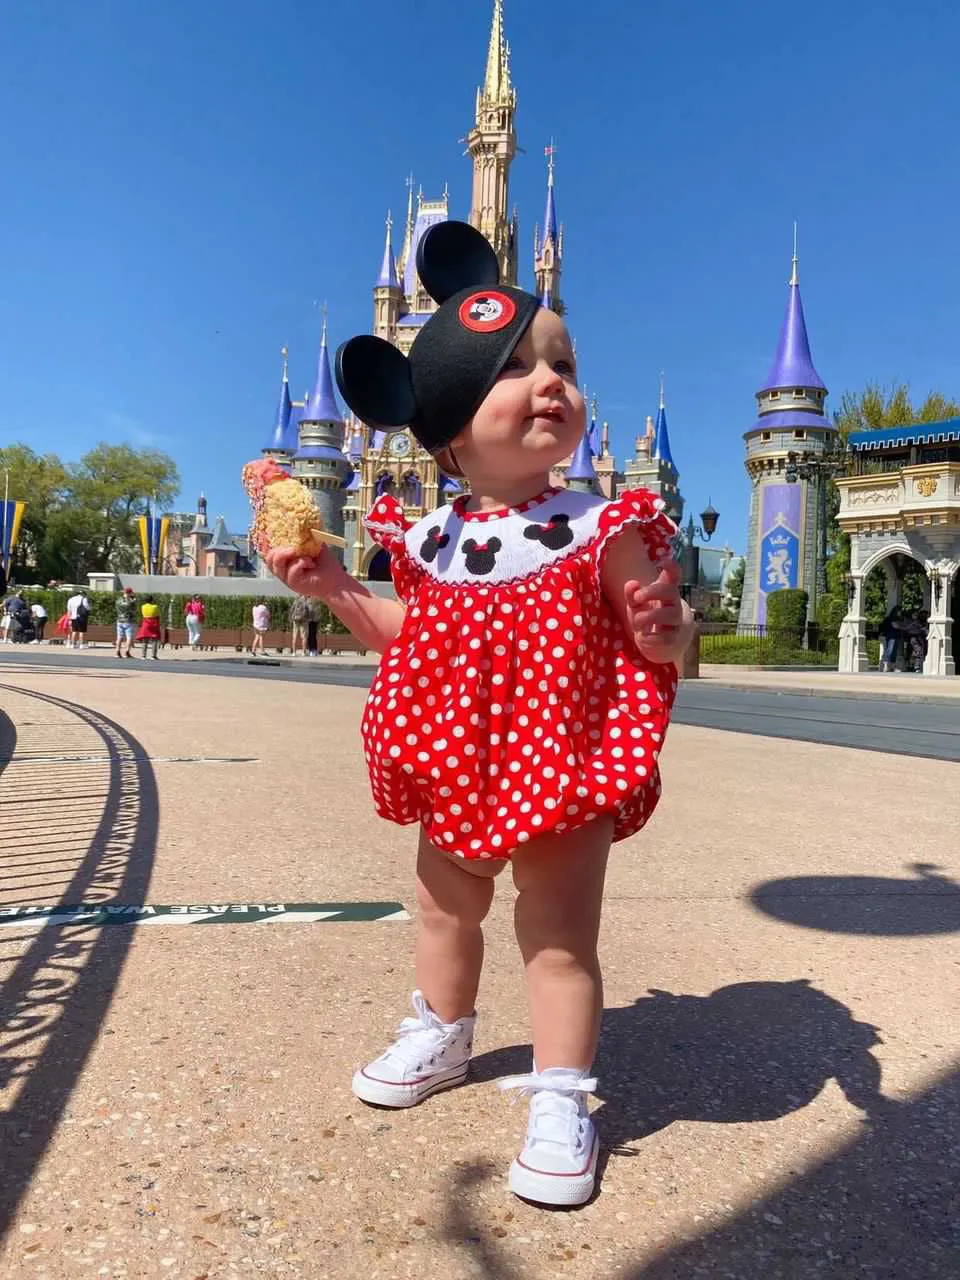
[(492, 143), (407, 229), (387, 278), (581, 474), (496, 82), (793, 364), (661, 437), (322, 404), (279, 442), (548, 250)]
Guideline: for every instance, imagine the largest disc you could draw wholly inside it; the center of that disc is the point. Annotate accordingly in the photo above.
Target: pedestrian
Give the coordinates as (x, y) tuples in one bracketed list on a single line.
[(528, 677), (125, 606), (149, 630), (313, 627), (300, 619), (891, 629), (195, 616), (261, 625), (21, 624), (78, 611), (39, 611), (7, 617)]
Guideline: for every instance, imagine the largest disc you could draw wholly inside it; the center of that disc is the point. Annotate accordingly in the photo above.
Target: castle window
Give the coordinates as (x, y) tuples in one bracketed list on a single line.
[(765, 436), (774, 395), (799, 435), (799, 394)]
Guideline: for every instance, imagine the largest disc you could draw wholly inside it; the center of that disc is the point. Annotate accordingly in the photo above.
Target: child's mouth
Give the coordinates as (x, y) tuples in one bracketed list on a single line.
[(550, 415)]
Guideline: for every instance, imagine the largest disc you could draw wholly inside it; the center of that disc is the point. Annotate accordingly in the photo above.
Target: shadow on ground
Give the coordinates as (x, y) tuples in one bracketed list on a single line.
[(882, 1206), (881, 906), (57, 989)]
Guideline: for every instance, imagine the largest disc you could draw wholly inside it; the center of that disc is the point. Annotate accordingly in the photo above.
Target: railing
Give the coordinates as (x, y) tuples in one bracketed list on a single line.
[(731, 642)]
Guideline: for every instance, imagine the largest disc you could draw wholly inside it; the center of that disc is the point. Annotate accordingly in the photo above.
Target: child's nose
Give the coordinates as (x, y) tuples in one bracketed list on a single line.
[(547, 377)]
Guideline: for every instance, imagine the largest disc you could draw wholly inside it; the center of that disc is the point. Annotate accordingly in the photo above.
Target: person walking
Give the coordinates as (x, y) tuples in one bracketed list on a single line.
[(300, 619), (890, 631), (78, 611), (39, 612), (195, 616), (126, 603), (261, 625), (149, 632), (313, 627)]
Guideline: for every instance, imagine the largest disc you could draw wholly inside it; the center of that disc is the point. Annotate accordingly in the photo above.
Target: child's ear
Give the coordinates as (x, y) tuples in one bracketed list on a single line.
[(452, 256), (374, 379)]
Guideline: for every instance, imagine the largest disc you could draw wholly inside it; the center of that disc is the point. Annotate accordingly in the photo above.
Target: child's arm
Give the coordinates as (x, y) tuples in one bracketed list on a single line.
[(375, 621), (646, 598)]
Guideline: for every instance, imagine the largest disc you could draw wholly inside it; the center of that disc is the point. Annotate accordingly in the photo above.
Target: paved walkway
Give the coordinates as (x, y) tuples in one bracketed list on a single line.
[(780, 1084)]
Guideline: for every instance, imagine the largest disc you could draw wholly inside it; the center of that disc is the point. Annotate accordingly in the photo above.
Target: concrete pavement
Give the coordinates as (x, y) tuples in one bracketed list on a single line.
[(779, 1075)]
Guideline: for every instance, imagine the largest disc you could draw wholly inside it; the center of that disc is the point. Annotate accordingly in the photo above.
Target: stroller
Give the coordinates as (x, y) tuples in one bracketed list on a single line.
[(22, 628)]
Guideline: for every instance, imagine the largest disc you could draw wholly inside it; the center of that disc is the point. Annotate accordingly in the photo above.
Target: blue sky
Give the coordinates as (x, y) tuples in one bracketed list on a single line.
[(184, 183)]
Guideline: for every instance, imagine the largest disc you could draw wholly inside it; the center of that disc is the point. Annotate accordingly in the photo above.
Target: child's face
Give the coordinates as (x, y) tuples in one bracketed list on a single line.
[(533, 415)]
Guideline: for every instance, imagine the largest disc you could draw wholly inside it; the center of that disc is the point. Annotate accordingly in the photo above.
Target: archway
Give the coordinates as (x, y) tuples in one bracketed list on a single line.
[(378, 569), (896, 606)]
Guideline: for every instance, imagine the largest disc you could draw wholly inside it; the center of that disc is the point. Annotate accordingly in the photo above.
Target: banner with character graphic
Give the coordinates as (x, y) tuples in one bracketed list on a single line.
[(779, 564)]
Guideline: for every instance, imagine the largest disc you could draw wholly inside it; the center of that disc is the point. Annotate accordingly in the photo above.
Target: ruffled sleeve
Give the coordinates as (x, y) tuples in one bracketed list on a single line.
[(644, 509), (387, 526)]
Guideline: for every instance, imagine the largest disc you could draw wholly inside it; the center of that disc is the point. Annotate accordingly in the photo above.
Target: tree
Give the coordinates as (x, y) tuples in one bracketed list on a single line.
[(733, 588), (39, 481), (82, 516)]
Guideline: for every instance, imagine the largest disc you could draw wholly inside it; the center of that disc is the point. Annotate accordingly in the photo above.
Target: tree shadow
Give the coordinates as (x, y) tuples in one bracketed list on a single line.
[(54, 997), (753, 1051), (877, 906), (884, 1207)]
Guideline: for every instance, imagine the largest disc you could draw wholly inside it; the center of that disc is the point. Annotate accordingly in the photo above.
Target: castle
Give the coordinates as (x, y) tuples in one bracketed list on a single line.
[(347, 466)]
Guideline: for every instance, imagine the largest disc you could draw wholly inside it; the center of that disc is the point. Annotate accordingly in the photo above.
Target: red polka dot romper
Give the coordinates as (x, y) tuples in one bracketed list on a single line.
[(512, 703)]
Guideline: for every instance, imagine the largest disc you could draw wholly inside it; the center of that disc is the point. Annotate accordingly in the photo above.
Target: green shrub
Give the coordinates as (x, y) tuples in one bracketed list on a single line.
[(787, 611)]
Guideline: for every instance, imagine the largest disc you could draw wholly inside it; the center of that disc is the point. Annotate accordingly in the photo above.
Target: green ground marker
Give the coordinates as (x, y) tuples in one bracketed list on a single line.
[(101, 913)]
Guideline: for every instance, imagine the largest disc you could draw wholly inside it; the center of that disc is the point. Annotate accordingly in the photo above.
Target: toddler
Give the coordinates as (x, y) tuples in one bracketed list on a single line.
[(527, 678)]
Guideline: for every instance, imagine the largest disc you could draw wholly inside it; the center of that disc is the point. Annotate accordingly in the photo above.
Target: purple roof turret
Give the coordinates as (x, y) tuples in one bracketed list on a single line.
[(580, 473), (322, 405), (388, 278), (661, 436), (793, 364), (280, 441)]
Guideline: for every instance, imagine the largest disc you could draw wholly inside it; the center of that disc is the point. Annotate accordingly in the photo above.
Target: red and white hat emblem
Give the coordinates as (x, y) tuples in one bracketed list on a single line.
[(487, 311)]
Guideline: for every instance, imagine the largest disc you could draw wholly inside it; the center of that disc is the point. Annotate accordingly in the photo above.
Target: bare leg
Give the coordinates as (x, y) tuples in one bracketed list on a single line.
[(453, 897), (557, 919)]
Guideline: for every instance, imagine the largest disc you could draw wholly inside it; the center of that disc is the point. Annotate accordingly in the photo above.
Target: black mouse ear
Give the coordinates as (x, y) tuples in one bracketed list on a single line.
[(374, 379), (452, 256), (494, 544)]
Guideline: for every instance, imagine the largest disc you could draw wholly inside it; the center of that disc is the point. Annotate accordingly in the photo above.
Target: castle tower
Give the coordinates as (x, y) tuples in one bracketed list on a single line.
[(282, 442), (783, 531), (652, 466), (492, 143), (319, 461), (548, 250), (387, 295)]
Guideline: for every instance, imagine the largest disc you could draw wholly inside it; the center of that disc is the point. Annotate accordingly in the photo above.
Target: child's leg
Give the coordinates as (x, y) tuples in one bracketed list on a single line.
[(453, 897), (557, 920)]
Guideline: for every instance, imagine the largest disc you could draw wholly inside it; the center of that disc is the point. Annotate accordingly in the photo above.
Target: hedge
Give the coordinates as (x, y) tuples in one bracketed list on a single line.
[(228, 612), (787, 610)]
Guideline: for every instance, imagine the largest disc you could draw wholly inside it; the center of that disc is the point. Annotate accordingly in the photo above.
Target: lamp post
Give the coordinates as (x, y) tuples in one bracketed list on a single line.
[(820, 469), (690, 553)]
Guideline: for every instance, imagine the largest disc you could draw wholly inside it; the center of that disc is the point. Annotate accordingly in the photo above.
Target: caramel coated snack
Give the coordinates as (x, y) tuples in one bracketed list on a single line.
[(284, 514)]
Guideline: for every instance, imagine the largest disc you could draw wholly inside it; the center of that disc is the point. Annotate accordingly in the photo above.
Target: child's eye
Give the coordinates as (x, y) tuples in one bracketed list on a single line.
[(566, 368), (513, 363)]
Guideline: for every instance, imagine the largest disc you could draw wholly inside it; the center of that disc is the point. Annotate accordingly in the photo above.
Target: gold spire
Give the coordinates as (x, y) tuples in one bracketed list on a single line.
[(407, 232), (496, 82)]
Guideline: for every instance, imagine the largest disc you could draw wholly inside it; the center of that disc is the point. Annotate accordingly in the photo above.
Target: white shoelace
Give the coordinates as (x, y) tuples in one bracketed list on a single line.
[(556, 1109), (418, 1039)]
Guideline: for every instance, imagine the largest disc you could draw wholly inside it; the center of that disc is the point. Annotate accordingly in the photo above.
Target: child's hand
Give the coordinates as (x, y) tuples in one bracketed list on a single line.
[(316, 576), (658, 619)]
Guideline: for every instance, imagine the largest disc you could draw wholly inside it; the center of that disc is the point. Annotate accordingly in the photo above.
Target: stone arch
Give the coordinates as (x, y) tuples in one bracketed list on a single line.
[(411, 489), (376, 565), (884, 558)]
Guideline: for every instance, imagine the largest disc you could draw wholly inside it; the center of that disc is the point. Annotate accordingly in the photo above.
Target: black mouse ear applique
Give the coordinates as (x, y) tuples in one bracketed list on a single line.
[(374, 378), (452, 256)]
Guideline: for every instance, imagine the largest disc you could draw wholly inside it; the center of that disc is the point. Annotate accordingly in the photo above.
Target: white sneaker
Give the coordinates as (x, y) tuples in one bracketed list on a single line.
[(558, 1162), (427, 1056)]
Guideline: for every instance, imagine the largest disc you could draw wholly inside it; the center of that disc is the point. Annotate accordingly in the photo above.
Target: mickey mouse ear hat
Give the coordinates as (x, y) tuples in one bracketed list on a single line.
[(459, 352)]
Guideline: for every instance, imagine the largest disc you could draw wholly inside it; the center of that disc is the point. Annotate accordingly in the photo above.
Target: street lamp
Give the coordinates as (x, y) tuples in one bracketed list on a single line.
[(820, 468), (690, 562)]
